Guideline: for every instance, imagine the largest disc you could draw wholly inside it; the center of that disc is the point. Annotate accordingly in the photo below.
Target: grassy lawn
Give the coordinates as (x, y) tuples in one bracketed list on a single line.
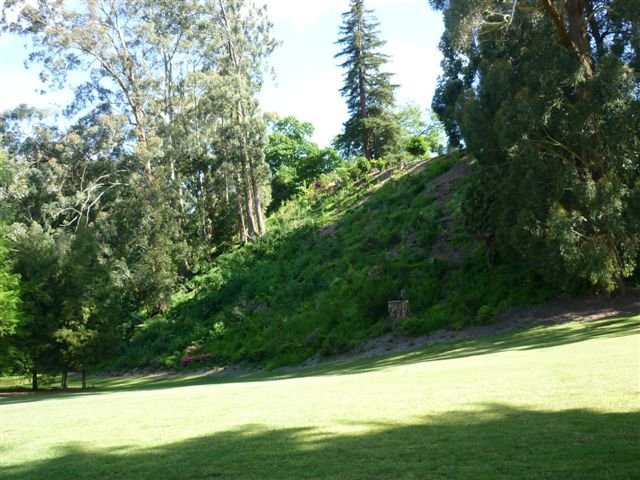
[(550, 402)]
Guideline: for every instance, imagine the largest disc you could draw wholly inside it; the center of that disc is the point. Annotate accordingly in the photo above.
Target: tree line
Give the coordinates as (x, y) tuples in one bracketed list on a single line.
[(168, 162)]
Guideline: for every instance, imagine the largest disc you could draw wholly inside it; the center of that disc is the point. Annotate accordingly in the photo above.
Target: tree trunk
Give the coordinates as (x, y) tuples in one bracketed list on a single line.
[(366, 133), (577, 32), (34, 378), (255, 187), (248, 202), (574, 35), (243, 226), (64, 384), (595, 31), (84, 379), (398, 311)]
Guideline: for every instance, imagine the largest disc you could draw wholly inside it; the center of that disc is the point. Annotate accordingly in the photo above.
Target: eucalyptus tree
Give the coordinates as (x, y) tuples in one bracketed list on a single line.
[(179, 80), (248, 44), (371, 129), (545, 94)]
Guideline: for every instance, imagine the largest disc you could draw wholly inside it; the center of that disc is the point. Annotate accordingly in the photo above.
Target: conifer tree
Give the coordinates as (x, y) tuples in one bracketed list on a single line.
[(371, 129), (544, 94)]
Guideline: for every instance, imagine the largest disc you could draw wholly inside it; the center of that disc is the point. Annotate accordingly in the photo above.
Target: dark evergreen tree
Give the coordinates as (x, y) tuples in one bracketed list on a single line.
[(371, 129), (545, 96)]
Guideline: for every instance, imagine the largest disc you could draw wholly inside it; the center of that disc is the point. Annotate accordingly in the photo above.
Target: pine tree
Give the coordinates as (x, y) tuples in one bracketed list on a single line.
[(371, 129)]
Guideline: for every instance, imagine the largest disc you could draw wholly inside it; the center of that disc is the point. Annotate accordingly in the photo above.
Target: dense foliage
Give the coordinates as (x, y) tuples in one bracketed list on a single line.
[(162, 166), (546, 95), (318, 283), (138, 235), (295, 160)]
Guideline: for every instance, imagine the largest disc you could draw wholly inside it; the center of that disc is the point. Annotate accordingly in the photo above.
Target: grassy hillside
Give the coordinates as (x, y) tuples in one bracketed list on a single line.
[(319, 282), (556, 401)]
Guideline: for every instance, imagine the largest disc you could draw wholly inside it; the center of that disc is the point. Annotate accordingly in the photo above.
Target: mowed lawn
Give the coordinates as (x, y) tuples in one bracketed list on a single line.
[(557, 402)]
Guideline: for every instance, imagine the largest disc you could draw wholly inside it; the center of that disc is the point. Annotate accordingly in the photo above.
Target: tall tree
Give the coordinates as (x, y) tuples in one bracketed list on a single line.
[(86, 332), (37, 262), (180, 81), (9, 282), (545, 95), (371, 129), (247, 41)]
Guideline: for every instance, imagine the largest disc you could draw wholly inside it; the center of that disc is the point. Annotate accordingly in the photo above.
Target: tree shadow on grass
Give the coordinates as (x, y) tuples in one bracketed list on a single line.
[(491, 441), (542, 336)]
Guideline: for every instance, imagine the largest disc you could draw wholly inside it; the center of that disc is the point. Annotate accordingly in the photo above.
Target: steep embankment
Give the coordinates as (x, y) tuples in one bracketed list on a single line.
[(320, 281)]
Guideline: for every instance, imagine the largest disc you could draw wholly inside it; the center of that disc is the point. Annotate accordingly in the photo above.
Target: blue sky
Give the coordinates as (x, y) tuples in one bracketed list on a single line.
[(307, 76)]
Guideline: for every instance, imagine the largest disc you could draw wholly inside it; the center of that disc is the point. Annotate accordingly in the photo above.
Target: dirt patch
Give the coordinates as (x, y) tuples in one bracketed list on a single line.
[(444, 186), (329, 230), (21, 392), (442, 189)]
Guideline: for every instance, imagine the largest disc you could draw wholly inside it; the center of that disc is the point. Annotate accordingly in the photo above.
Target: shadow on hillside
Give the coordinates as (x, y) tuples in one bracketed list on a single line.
[(542, 336), (495, 441)]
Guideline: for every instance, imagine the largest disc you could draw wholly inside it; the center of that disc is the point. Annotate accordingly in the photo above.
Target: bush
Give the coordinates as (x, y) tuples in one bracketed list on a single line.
[(418, 146), (363, 166)]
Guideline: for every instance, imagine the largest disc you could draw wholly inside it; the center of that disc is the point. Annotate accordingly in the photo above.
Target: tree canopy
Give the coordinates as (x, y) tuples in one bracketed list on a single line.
[(163, 164), (545, 94)]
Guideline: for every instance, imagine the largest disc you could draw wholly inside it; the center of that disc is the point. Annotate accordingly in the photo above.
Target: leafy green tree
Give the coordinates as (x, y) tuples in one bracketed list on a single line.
[(36, 260), (247, 43), (371, 129), (543, 93), (9, 294), (10, 303), (9, 282), (86, 334), (419, 135), (294, 159), (170, 146)]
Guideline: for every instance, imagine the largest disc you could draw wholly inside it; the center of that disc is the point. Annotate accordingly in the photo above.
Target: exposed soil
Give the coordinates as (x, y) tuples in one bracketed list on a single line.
[(443, 188), (19, 392)]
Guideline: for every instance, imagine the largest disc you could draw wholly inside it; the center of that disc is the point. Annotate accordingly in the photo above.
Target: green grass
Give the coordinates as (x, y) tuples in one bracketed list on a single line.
[(549, 402)]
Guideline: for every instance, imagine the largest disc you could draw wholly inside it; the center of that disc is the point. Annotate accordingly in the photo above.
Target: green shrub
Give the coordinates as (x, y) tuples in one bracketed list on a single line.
[(418, 146), (363, 166)]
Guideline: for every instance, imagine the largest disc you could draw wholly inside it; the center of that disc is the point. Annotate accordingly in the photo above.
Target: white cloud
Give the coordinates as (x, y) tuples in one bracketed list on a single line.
[(301, 13)]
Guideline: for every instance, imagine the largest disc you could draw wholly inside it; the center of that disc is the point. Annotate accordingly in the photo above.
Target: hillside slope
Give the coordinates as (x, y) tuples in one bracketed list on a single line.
[(318, 283)]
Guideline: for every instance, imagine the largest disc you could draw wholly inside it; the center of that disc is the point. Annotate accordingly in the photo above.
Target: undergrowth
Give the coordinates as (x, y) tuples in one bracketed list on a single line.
[(320, 280)]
